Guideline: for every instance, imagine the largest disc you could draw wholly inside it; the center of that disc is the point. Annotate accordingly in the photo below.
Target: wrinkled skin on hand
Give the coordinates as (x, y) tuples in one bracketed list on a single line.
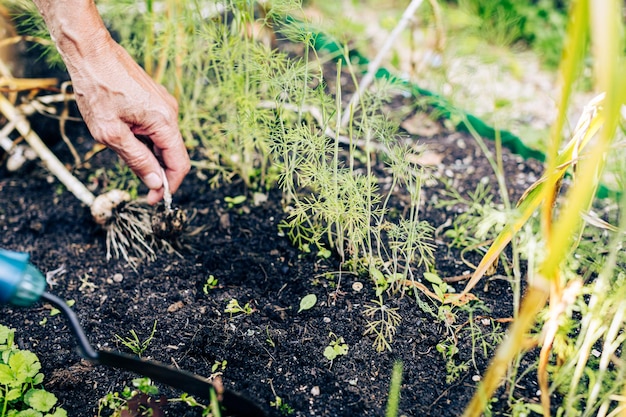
[(119, 101), (115, 96)]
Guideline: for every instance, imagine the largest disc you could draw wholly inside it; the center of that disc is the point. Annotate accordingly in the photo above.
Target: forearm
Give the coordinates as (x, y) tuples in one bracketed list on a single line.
[(76, 27)]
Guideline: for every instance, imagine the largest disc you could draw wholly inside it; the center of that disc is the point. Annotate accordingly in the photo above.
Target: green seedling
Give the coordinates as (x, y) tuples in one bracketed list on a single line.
[(55, 311), (21, 390), (219, 366), (132, 342), (324, 253), (269, 339), (449, 349), (383, 282), (234, 201), (279, 403), (233, 308), (143, 399), (307, 302), (210, 284), (380, 281), (439, 286), (382, 322), (284, 408), (337, 347)]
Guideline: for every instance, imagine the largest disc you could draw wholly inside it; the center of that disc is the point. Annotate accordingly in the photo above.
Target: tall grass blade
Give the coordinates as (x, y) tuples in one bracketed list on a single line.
[(394, 390), (601, 117)]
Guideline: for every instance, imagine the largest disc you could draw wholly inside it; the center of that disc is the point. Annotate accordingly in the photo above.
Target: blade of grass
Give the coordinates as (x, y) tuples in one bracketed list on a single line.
[(604, 16), (547, 185), (394, 390), (532, 303)]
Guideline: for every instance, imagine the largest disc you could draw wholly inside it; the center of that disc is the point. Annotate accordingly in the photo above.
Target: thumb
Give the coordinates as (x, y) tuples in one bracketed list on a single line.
[(141, 160)]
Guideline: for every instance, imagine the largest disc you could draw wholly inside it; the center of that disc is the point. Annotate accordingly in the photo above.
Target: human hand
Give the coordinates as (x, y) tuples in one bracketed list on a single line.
[(115, 96), (120, 102)]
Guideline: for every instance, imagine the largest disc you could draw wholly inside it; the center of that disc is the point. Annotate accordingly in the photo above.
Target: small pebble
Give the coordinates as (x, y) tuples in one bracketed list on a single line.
[(118, 277), (326, 319), (315, 391), (476, 378), (175, 307)]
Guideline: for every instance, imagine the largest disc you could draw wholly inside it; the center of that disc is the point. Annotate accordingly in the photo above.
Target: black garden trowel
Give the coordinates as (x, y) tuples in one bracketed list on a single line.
[(21, 284)]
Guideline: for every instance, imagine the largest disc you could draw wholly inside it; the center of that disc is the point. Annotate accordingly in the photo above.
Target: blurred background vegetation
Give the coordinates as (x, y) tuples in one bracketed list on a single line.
[(495, 59)]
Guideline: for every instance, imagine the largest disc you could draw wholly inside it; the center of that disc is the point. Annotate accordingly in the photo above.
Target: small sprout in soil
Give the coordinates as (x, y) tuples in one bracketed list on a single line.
[(219, 366), (324, 253), (336, 347), (233, 308), (133, 343), (55, 311), (234, 201), (269, 339), (381, 323), (449, 349), (307, 302), (210, 284), (279, 403), (284, 408)]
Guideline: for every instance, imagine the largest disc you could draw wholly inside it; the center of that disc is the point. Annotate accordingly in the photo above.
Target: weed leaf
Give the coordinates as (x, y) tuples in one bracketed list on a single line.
[(40, 400), (307, 302)]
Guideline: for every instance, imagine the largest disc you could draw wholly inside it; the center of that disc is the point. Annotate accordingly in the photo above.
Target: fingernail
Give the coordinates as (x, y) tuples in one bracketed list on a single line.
[(153, 181)]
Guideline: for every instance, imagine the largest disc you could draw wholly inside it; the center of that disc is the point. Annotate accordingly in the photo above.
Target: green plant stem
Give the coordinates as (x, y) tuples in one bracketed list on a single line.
[(375, 64), (394, 390), (496, 163), (149, 44), (534, 300)]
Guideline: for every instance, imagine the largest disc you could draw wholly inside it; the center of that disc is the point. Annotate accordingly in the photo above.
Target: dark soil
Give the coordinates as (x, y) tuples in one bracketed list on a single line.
[(275, 351)]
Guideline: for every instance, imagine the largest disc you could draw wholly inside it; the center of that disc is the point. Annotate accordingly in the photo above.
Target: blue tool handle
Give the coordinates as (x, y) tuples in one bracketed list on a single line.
[(21, 283)]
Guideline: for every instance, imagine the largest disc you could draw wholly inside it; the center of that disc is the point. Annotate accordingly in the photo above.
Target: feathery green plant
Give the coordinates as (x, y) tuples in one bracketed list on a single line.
[(251, 112), (30, 24)]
